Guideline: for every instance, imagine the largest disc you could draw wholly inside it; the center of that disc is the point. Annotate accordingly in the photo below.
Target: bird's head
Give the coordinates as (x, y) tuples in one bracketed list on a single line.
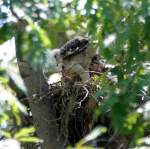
[(57, 55)]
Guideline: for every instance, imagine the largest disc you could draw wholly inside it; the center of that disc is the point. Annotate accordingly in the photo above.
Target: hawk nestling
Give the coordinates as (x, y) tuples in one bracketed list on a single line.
[(75, 57)]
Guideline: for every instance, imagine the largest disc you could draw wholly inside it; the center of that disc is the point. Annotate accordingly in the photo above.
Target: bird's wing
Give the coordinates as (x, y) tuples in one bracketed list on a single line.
[(74, 47)]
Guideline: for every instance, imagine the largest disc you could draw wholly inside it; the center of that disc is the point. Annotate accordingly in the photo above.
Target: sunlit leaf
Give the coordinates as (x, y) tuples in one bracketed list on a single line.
[(24, 132), (91, 136), (5, 134), (30, 139)]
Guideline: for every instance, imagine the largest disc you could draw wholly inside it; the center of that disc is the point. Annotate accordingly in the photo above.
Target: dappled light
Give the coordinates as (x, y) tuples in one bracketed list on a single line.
[(74, 74)]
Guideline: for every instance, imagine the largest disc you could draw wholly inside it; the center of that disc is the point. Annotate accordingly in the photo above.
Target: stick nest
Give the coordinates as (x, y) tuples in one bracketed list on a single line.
[(74, 105)]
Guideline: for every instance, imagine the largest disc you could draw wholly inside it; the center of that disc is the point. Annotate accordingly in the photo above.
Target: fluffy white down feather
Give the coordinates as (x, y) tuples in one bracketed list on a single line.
[(51, 62)]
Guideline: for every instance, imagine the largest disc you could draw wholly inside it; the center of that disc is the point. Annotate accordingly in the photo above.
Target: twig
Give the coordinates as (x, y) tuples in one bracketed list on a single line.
[(111, 139), (86, 95)]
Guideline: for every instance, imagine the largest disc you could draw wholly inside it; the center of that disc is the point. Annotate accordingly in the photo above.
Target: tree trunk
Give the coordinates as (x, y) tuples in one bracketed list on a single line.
[(42, 109)]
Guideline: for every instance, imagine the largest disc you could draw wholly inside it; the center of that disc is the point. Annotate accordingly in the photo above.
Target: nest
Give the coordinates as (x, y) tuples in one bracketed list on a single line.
[(73, 104)]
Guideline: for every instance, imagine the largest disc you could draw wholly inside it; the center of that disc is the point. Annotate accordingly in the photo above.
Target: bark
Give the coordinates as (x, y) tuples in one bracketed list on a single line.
[(42, 109)]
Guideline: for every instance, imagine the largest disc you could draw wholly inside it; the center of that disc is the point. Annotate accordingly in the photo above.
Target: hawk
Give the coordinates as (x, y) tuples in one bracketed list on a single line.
[(75, 57), (74, 60)]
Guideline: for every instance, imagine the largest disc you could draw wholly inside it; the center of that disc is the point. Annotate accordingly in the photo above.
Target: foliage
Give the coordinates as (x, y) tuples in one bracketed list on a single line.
[(120, 31), (12, 111), (93, 135)]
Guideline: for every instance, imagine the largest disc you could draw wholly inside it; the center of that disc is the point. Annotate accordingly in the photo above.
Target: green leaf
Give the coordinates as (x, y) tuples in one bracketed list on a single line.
[(98, 131), (24, 132), (30, 139), (3, 80), (6, 134)]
